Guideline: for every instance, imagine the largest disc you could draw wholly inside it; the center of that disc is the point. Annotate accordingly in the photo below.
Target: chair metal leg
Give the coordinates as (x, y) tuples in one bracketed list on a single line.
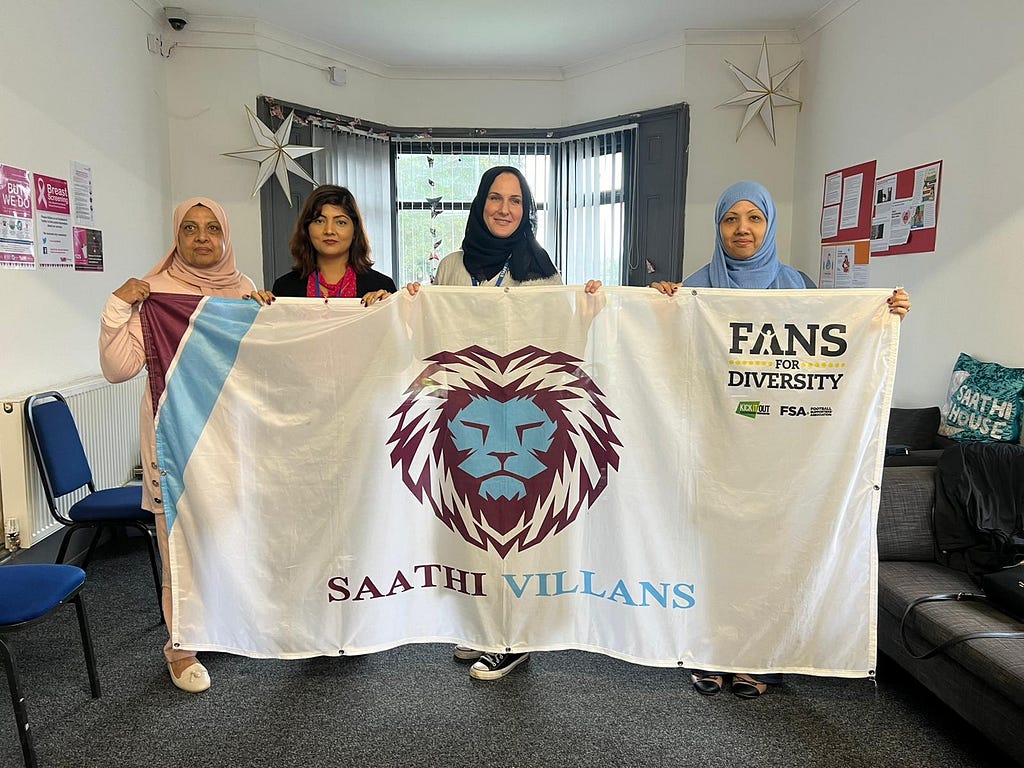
[(28, 749), (152, 545), (97, 530), (64, 542), (90, 657)]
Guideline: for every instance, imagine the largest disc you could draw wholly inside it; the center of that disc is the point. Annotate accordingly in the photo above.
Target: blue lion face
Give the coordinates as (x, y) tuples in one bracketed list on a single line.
[(503, 439)]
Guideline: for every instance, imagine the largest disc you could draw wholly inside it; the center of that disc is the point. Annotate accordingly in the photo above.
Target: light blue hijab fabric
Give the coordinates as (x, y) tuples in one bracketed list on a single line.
[(763, 269)]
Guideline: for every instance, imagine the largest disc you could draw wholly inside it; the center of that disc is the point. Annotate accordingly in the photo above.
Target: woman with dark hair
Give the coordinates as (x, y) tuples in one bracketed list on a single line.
[(331, 252)]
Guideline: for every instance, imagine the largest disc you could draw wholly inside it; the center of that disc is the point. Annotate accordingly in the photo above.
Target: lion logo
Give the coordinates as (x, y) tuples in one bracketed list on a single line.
[(507, 449)]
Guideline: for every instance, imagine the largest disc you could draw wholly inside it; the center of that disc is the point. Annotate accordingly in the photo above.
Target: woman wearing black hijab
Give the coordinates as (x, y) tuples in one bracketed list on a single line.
[(500, 247)]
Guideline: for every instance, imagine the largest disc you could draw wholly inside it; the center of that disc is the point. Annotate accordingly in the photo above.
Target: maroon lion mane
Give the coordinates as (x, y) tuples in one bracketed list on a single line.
[(577, 464)]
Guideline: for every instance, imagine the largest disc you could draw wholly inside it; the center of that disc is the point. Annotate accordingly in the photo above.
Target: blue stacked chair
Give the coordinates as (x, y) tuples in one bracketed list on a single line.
[(28, 594)]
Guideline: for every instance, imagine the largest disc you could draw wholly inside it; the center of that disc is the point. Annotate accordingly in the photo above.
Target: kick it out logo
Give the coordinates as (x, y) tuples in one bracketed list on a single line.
[(751, 409), (507, 449)]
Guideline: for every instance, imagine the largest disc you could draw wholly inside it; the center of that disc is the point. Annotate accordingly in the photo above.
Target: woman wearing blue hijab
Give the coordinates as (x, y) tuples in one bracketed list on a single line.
[(746, 256)]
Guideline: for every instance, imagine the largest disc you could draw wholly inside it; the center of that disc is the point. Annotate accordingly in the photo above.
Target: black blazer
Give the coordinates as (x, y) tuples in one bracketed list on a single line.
[(293, 284)]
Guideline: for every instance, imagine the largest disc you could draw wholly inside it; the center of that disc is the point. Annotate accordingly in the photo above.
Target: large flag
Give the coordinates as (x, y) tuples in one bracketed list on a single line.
[(672, 481)]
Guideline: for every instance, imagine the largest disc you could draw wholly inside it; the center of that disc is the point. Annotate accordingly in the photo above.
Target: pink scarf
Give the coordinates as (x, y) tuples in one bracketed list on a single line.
[(223, 278), (343, 289)]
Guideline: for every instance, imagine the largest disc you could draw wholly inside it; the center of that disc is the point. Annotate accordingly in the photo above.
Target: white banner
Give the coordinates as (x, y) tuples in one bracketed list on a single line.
[(689, 480)]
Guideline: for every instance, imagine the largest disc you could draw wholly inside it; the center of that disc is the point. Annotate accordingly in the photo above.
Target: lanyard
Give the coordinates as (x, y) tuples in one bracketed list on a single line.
[(335, 292), (501, 275)]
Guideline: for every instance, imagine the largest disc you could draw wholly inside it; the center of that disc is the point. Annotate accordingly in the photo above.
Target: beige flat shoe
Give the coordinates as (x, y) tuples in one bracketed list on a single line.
[(195, 678)]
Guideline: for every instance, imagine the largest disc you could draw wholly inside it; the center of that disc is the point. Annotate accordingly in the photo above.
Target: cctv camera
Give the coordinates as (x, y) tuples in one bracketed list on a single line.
[(176, 17)]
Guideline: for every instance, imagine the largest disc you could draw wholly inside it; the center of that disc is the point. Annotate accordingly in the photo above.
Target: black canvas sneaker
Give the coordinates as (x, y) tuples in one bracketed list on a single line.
[(492, 666)]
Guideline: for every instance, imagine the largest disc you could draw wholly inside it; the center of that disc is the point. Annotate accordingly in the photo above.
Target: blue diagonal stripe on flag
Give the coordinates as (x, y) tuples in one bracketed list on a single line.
[(218, 327)]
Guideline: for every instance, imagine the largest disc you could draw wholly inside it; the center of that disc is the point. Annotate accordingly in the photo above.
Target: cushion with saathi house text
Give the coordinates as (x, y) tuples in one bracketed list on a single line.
[(984, 402)]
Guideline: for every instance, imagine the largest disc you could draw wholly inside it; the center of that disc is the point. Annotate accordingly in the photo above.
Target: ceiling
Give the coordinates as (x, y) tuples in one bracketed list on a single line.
[(486, 33)]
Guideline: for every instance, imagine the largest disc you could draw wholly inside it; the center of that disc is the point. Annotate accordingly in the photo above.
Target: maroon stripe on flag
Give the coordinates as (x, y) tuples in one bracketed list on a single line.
[(165, 318)]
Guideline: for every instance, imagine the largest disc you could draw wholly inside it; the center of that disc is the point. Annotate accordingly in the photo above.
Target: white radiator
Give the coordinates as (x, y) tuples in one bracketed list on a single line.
[(107, 416)]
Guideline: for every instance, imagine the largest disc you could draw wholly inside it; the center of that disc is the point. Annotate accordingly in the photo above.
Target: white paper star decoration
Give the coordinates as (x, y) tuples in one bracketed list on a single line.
[(274, 154), (761, 94)]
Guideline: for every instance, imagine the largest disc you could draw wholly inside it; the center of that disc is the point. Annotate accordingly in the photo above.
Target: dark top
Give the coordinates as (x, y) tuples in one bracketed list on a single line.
[(293, 284)]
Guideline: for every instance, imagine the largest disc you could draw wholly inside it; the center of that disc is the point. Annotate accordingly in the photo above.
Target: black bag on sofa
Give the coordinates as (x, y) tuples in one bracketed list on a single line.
[(1005, 589), (913, 439)]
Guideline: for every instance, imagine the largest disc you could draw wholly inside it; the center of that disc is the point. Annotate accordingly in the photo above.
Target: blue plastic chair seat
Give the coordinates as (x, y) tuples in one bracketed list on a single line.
[(111, 504), (31, 591)]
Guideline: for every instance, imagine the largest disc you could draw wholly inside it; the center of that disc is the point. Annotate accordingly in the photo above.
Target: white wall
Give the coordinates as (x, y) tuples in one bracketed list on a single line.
[(908, 83), (80, 85), (207, 95)]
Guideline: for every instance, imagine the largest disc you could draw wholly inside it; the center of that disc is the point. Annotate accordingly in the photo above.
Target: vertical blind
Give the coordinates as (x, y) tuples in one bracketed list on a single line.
[(597, 175)]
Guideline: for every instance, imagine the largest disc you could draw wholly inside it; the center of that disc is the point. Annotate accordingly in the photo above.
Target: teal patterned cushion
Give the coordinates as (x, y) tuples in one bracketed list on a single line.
[(984, 402)]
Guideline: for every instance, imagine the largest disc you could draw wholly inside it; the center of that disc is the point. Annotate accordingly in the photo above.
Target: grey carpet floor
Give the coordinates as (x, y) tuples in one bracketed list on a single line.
[(415, 706)]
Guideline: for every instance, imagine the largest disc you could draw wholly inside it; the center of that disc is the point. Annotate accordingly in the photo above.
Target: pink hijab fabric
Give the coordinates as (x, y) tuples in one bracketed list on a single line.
[(223, 278)]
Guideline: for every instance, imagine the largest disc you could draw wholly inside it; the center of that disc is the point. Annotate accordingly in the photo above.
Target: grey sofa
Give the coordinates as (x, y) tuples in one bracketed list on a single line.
[(982, 680)]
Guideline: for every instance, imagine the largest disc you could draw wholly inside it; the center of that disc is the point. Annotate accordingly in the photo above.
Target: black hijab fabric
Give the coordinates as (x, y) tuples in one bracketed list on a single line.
[(484, 255)]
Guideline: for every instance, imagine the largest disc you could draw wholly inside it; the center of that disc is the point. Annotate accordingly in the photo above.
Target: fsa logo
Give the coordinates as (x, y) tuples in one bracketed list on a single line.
[(752, 409), (792, 410)]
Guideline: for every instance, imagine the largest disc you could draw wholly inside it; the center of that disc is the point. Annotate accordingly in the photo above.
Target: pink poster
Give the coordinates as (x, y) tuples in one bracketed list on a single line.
[(16, 238), (52, 195), (53, 220), (88, 250)]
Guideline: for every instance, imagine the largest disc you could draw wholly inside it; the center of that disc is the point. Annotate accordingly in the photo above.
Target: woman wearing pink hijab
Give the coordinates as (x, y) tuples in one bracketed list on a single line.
[(201, 262)]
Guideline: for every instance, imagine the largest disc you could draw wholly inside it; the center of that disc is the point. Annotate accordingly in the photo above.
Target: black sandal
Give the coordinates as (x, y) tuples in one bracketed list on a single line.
[(707, 685), (747, 686)]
